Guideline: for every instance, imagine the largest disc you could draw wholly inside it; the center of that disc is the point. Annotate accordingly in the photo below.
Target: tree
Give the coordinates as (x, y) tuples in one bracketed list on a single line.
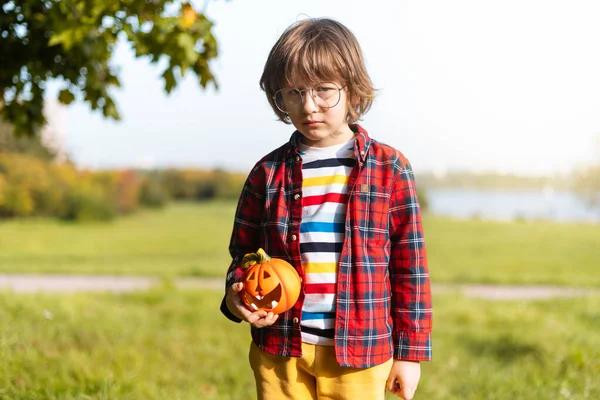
[(72, 41), (33, 145)]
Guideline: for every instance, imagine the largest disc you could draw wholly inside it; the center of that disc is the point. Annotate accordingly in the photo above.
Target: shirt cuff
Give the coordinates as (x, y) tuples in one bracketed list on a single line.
[(412, 346), (226, 312)]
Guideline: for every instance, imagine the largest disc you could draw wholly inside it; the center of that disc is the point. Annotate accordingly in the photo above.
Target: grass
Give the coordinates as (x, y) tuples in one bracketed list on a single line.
[(192, 239), (513, 252), (183, 239), (167, 344)]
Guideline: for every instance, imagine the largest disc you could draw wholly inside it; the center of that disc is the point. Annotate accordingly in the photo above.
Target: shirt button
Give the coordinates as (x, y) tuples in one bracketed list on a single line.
[(297, 158), (295, 320), (296, 196), (293, 238)]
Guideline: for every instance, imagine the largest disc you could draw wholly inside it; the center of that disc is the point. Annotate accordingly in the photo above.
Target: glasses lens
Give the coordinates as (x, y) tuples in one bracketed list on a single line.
[(279, 101), (326, 94)]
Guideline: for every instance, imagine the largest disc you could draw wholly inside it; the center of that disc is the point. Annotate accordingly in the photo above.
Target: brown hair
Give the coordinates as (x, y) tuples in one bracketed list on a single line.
[(319, 49)]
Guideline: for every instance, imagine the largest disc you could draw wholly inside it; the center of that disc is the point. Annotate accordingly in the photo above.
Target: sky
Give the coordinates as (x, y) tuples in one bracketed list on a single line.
[(510, 87)]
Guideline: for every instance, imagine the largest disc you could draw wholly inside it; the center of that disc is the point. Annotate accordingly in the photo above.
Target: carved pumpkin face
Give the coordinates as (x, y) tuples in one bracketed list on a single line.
[(270, 284)]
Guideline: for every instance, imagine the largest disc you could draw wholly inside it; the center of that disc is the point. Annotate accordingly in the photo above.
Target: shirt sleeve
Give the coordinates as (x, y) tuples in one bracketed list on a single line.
[(409, 274), (246, 228)]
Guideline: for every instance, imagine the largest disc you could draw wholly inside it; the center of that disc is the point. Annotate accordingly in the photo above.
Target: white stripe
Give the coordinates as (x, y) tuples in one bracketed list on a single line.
[(320, 257), (327, 208), (340, 188), (337, 218), (325, 237), (319, 302), (312, 339), (319, 153), (320, 277), (319, 323)]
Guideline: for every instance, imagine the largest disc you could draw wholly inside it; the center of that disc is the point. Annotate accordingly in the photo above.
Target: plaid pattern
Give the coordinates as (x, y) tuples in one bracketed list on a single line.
[(383, 304)]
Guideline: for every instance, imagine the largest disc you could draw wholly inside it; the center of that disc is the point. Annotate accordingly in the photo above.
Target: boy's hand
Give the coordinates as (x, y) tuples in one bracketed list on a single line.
[(404, 378), (258, 319)]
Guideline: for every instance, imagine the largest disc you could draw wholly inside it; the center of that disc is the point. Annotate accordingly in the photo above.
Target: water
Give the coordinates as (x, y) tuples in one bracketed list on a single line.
[(548, 204)]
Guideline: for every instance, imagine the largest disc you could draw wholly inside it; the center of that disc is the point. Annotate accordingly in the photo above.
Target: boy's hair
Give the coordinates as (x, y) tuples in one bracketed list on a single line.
[(318, 50)]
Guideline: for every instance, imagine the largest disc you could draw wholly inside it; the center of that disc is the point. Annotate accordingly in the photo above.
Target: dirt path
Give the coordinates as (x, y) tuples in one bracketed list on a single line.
[(29, 283)]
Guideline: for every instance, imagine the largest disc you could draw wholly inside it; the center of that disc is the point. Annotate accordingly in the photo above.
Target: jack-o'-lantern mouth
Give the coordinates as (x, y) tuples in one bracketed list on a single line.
[(267, 302)]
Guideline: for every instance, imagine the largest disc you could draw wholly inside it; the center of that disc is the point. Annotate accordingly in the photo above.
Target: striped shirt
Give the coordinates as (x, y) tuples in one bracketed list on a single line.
[(325, 173)]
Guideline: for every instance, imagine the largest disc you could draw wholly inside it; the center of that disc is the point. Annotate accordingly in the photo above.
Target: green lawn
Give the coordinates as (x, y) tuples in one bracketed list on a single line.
[(173, 345), (192, 239), (184, 239)]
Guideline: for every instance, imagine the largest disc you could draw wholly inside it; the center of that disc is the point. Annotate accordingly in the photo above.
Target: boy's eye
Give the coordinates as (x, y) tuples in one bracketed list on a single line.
[(323, 89), (294, 92)]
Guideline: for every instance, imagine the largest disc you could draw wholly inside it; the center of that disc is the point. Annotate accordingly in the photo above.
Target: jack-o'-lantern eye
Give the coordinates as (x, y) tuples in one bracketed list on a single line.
[(251, 277), (266, 275)]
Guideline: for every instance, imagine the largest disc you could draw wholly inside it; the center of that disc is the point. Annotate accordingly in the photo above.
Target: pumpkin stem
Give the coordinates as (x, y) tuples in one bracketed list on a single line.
[(251, 259)]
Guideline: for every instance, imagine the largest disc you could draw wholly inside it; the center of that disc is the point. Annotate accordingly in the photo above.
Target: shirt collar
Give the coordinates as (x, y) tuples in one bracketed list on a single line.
[(361, 144)]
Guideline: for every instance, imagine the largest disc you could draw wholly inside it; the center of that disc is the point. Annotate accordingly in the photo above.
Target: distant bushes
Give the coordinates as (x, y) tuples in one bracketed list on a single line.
[(30, 186)]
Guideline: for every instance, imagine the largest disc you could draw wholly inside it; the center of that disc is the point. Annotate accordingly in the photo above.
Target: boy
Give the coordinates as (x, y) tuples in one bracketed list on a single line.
[(342, 209)]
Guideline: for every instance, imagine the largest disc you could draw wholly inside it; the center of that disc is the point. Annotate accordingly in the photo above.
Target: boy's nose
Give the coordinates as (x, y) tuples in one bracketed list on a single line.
[(309, 104)]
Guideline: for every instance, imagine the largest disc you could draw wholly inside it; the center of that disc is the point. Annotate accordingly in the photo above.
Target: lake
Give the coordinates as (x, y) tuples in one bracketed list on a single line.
[(507, 205)]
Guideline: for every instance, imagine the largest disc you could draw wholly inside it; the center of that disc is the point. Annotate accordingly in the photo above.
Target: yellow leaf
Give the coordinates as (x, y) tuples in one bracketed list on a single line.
[(188, 16)]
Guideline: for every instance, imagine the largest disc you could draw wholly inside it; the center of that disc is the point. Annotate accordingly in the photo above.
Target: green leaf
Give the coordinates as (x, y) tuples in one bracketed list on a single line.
[(187, 43), (170, 81), (110, 110), (63, 38)]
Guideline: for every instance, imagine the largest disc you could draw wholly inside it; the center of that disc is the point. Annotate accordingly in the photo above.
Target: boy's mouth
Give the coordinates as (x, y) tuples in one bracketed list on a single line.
[(312, 123)]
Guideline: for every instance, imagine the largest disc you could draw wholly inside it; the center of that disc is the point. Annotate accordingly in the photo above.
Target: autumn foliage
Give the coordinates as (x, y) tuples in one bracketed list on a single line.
[(30, 186)]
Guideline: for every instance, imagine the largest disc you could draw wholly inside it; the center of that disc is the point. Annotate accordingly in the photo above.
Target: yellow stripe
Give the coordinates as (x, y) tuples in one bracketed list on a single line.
[(319, 267), (324, 180)]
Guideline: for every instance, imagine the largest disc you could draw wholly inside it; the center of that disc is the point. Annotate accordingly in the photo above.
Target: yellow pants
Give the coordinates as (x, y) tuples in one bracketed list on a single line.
[(316, 375)]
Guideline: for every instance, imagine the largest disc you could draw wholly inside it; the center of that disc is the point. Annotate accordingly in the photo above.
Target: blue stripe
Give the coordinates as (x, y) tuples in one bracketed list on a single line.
[(321, 227), (313, 315)]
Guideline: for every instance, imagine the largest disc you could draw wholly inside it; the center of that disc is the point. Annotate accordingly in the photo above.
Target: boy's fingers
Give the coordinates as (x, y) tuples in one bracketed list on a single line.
[(408, 393), (254, 317), (234, 303), (391, 383), (236, 287), (271, 318), (265, 320)]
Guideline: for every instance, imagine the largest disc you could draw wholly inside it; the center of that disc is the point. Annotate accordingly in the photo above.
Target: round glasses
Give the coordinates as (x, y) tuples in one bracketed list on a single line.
[(325, 95)]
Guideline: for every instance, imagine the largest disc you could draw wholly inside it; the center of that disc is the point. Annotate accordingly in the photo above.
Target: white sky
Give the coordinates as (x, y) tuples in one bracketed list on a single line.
[(511, 86)]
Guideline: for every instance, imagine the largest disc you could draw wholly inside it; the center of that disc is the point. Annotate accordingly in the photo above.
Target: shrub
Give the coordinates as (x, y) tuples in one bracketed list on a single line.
[(17, 201), (3, 187), (129, 187), (86, 202), (29, 182), (153, 193)]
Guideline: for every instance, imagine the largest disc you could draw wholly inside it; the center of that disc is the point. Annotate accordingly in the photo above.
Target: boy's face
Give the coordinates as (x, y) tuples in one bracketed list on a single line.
[(318, 111)]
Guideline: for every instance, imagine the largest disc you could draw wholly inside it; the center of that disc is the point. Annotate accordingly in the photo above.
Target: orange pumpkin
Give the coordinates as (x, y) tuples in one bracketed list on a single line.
[(270, 284)]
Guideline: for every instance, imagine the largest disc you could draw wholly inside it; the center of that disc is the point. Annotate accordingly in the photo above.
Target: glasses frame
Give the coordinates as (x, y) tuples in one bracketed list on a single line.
[(313, 95)]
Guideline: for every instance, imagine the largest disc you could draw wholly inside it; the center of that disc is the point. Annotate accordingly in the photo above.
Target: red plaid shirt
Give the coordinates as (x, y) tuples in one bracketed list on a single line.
[(383, 302)]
